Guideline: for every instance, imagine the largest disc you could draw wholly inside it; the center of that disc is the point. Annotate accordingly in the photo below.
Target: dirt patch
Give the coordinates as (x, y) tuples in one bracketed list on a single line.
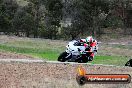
[(118, 39), (53, 75), (8, 55)]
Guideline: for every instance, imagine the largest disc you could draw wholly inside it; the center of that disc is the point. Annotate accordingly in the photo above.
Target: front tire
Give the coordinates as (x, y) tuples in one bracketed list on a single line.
[(90, 58), (62, 56), (129, 63)]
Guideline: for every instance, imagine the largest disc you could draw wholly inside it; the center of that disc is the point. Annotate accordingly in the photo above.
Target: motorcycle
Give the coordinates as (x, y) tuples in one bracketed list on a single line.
[(76, 52), (129, 63)]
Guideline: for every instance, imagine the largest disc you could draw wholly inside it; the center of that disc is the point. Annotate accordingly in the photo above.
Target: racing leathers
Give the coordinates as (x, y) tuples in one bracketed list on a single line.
[(90, 48)]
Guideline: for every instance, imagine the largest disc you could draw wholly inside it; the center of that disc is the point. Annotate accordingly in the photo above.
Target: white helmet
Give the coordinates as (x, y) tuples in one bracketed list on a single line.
[(89, 39)]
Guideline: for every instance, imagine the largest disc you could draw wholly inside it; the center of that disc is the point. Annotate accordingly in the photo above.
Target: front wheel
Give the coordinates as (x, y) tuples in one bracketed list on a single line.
[(129, 63), (90, 58), (62, 56)]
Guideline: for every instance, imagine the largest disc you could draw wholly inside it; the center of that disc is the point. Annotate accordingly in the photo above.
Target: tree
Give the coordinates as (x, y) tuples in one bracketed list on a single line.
[(7, 11), (23, 21), (53, 17), (85, 16), (35, 4)]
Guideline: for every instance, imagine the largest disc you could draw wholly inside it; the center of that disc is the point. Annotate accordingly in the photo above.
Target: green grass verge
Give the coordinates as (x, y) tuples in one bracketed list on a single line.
[(50, 50), (53, 54), (50, 54), (110, 60), (123, 46)]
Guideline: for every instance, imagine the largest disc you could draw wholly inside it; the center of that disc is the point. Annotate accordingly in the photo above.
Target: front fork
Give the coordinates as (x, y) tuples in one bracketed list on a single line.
[(68, 55)]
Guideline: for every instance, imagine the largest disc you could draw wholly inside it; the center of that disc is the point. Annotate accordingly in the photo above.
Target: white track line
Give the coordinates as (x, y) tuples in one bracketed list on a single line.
[(43, 61), (20, 60), (56, 62)]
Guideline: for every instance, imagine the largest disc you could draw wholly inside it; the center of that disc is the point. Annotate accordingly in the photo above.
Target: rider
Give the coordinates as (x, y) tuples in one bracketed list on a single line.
[(90, 46), (92, 43)]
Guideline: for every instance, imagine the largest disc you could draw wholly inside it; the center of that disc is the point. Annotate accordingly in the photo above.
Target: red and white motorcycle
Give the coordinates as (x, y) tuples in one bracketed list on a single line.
[(76, 52)]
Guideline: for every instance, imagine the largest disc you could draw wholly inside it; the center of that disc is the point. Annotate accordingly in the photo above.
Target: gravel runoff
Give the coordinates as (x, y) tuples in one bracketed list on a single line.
[(8, 55), (23, 73)]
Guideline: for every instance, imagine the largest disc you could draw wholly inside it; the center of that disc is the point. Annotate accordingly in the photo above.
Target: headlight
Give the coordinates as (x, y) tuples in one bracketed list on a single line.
[(67, 46)]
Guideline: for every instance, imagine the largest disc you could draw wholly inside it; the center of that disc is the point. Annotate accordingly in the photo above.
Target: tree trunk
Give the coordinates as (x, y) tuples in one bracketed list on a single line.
[(27, 34), (36, 20)]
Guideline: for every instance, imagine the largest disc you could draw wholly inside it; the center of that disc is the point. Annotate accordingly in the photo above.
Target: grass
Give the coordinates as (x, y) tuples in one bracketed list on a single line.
[(50, 50), (123, 46), (110, 60), (50, 54), (41, 48)]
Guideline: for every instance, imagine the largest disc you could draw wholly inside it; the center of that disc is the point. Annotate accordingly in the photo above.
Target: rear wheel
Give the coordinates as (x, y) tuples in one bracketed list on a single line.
[(62, 56), (83, 60)]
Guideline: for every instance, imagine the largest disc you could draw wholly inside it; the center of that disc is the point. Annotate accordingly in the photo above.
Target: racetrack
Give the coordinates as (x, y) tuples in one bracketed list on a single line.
[(26, 73), (23, 71)]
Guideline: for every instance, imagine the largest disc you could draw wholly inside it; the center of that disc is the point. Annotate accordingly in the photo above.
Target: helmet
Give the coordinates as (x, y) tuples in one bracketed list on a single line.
[(89, 39)]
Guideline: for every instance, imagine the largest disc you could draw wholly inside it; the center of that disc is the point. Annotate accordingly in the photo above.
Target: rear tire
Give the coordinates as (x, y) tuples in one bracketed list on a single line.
[(83, 60), (62, 56)]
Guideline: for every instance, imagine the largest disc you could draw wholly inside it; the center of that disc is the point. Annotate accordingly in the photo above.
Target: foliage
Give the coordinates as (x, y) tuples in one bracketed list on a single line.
[(50, 50), (7, 11), (23, 22), (58, 18)]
